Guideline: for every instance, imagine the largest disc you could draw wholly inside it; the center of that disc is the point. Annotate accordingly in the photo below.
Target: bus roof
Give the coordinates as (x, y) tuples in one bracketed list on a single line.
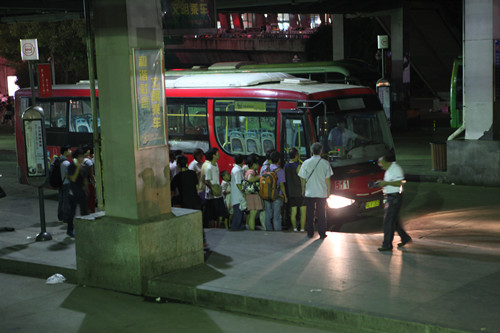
[(225, 80), (353, 71), (248, 67), (272, 81), (268, 81)]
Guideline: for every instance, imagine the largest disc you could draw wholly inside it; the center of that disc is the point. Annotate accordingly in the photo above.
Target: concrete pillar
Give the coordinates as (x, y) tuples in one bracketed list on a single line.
[(399, 42), (338, 36), (481, 27), (139, 238), (476, 160)]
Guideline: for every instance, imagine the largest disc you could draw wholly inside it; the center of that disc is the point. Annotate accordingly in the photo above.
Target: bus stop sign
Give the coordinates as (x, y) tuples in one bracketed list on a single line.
[(35, 147), (29, 49)]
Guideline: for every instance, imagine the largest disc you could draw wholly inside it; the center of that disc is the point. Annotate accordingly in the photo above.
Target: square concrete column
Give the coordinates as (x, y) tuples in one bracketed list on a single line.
[(476, 160), (140, 237)]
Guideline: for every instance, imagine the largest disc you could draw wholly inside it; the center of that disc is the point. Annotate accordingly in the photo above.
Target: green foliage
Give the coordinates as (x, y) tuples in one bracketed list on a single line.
[(65, 41)]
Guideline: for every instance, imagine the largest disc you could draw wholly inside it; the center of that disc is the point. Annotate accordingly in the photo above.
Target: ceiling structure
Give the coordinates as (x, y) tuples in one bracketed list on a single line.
[(305, 6), (39, 10), (55, 10)]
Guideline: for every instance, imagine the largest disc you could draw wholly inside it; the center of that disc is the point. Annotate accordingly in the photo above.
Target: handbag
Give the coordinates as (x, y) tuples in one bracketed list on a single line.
[(249, 188)]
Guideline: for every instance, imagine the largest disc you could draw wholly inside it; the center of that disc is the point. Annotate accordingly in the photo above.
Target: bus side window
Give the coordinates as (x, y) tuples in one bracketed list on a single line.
[(80, 116), (245, 126), (197, 120), (58, 115), (295, 137), (175, 118), (187, 124), (46, 111)]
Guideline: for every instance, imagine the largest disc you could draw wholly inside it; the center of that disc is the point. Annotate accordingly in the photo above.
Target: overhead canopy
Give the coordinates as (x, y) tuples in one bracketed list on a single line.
[(305, 6), (39, 10), (54, 10)]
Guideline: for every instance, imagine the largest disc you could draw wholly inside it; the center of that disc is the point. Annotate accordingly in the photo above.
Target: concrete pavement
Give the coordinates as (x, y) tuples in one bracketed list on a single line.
[(28, 305), (445, 281)]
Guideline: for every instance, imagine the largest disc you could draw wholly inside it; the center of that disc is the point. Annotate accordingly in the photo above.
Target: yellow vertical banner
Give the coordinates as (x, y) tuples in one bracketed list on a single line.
[(150, 97)]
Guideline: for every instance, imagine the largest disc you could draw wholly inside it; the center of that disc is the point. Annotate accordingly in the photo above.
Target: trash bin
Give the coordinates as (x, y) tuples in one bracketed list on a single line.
[(438, 152)]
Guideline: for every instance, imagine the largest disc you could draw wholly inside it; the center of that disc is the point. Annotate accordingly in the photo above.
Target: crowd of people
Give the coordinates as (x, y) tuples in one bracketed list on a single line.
[(6, 110), (253, 196), (238, 199), (298, 191), (78, 184)]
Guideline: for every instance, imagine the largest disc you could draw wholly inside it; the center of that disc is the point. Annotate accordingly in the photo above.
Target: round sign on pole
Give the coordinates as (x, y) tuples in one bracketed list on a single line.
[(29, 49)]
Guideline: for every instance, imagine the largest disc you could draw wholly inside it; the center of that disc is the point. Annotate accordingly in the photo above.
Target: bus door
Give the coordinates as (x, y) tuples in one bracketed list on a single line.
[(295, 133)]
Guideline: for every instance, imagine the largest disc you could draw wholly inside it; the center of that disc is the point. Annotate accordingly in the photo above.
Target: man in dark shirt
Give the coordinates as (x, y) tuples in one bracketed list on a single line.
[(77, 188), (186, 182)]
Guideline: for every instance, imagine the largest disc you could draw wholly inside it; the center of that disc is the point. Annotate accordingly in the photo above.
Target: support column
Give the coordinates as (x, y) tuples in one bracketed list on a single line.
[(140, 237), (399, 44), (481, 24), (476, 160), (338, 36)]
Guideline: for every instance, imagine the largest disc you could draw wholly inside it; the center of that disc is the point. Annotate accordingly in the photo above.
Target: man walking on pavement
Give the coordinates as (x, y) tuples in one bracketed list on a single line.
[(393, 189), (315, 176)]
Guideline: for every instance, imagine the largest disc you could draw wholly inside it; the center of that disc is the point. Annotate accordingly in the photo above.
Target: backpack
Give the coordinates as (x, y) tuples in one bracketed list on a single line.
[(55, 173), (268, 185)]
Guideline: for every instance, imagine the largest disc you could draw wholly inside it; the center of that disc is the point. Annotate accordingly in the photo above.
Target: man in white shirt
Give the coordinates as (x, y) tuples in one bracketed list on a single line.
[(213, 191), (197, 162), (393, 189), (315, 176), (63, 208), (237, 193)]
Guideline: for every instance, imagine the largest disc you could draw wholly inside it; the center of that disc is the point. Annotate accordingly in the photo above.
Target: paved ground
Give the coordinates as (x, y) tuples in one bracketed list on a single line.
[(29, 305), (446, 280)]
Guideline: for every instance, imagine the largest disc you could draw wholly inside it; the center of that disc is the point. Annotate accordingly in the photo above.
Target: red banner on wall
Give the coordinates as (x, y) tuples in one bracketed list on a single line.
[(44, 80)]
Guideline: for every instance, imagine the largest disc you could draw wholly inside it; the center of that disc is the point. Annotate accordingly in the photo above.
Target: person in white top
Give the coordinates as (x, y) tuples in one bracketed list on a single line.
[(197, 162), (393, 188), (315, 176), (213, 191), (237, 196)]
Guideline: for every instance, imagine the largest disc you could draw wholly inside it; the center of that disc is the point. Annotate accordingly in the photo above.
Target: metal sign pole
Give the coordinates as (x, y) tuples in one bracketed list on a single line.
[(43, 235), (33, 129)]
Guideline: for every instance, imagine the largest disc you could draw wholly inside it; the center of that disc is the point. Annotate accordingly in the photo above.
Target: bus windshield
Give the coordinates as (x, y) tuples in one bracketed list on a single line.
[(353, 132)]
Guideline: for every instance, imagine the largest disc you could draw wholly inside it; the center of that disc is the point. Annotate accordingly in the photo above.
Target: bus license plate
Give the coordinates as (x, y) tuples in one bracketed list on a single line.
[(372, 204)]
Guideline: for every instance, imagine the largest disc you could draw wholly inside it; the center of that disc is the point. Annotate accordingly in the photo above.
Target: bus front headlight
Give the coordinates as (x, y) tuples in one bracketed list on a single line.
[(336, 201)]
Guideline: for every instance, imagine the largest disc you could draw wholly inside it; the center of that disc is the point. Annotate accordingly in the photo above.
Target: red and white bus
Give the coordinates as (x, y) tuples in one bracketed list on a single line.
[(250, 113)]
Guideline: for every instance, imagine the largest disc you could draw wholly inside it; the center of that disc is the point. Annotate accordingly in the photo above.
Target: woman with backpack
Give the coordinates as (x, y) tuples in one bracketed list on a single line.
[(272, 190)]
